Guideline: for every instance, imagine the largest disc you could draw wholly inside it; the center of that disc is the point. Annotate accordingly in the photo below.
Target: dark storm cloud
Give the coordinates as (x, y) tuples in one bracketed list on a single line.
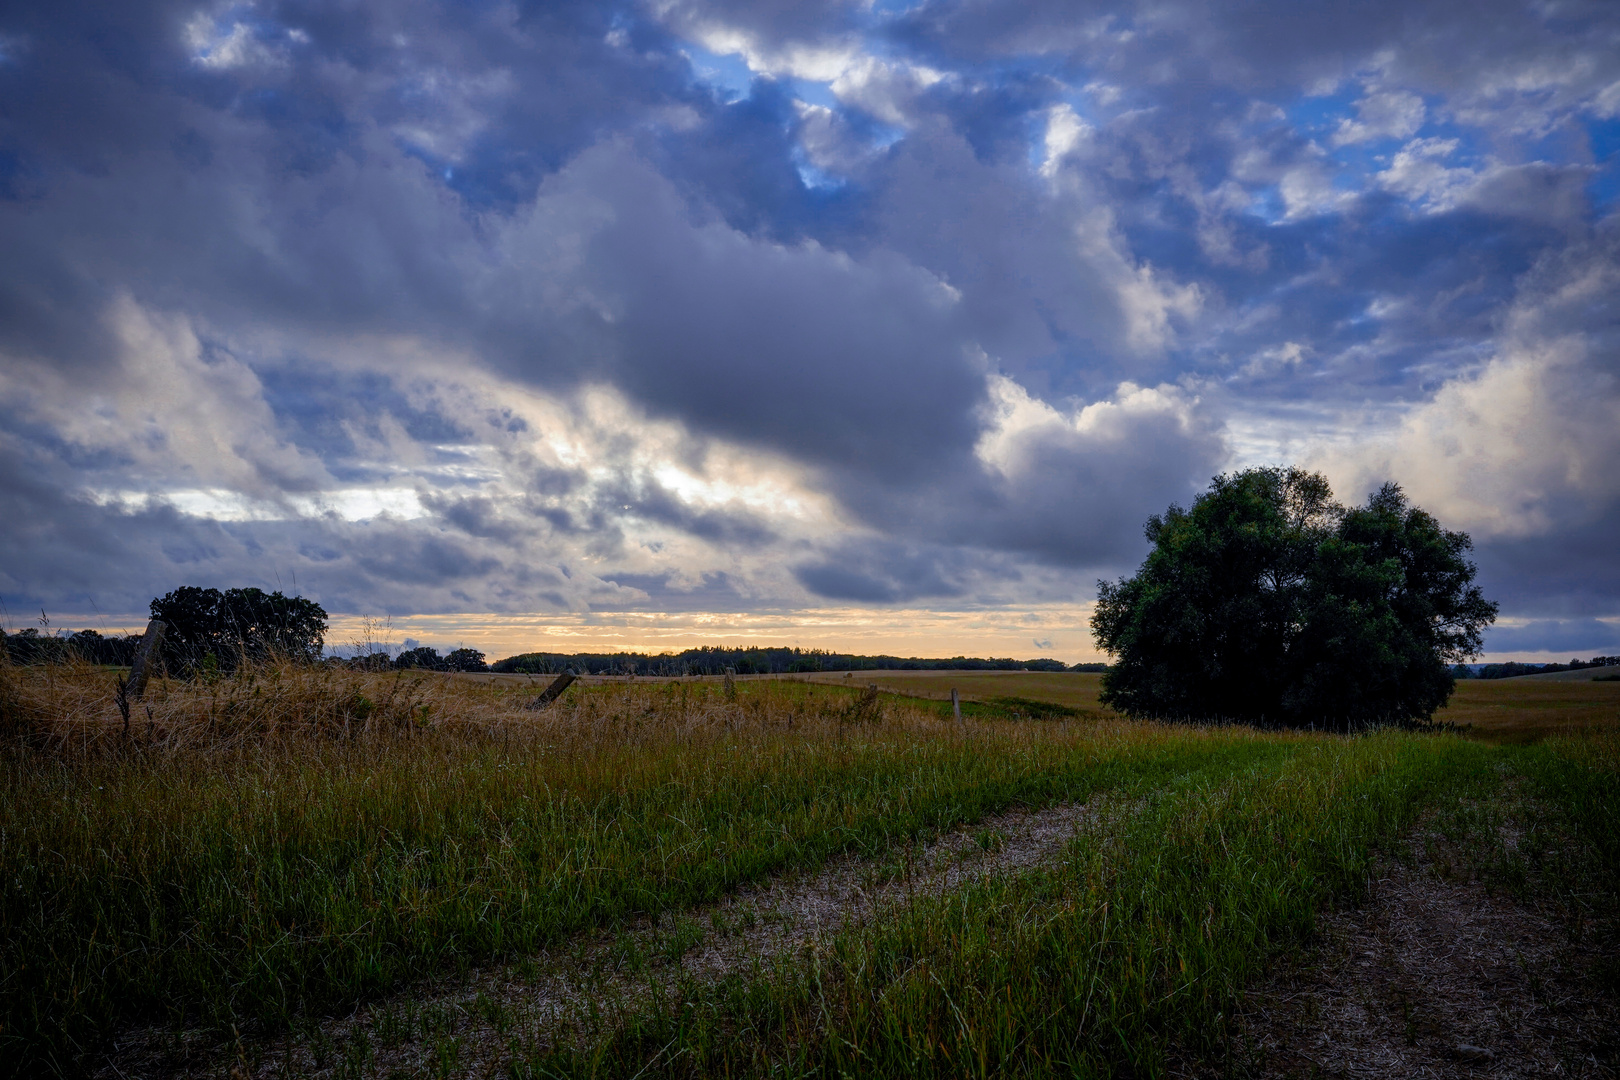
[(844, 363), (996, 280), (1574, 572), (1188, 48), (880, 574), (318, 182), (1587, 637)]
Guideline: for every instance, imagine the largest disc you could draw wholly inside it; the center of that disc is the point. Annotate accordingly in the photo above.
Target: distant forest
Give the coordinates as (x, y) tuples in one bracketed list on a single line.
[(32, 647), (1512, 668), (712, 660)]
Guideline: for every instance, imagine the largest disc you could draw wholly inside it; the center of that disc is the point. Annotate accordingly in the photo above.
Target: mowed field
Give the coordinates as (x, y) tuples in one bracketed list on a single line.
[(1074, 689), (1497, 710), (316, 872), (1531, 707)]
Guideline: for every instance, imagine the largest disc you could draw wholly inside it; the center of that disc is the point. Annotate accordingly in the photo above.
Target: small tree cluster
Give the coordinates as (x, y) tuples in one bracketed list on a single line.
[(29, 646), (1268, 602), (207, 627), (429, 659)]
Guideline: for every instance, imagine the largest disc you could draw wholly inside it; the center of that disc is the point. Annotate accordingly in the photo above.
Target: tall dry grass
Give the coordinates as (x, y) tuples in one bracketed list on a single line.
[(72, 708)]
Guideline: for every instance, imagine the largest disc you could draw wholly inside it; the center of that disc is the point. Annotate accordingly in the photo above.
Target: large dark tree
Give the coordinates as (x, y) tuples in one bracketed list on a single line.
[(237, 625), (1267, 602)]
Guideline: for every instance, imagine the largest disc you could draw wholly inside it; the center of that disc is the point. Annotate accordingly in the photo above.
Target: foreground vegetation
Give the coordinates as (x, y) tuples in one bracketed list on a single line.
[(277, 844)]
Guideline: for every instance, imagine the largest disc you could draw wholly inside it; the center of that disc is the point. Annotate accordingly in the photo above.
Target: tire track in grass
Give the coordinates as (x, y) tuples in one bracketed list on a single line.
[(467, 1026), (1438, 975)]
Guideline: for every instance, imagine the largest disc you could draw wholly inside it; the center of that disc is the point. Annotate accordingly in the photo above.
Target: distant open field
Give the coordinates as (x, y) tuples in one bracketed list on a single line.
[(1531, 707), (1497, 710), (1072, 689), (1075, 689)]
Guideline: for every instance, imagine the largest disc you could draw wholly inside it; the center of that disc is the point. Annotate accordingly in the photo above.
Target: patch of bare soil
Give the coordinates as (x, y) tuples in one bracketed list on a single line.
[(1433, 976), (474, 1026)]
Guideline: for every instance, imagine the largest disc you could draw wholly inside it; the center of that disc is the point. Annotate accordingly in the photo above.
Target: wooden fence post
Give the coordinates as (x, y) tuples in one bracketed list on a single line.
[(552, 692), (956, 705), (146, 655)]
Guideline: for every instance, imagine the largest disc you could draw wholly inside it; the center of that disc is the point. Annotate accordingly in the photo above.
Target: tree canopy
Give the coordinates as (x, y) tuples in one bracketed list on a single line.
[(237, 625), (1267, 602), (429, 659)]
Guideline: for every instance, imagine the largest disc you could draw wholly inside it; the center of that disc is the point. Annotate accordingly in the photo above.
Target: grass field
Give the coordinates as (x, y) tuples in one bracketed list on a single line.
[(1073, 689), (271, 848), (1497, 710), (1529, 708)]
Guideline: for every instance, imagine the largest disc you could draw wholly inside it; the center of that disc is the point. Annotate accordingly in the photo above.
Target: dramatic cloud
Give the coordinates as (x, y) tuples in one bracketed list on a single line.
[(741, 310)]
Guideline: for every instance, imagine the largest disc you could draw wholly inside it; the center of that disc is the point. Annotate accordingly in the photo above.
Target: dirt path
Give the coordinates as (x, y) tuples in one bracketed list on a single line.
[(473, 1026), (1434, 976)]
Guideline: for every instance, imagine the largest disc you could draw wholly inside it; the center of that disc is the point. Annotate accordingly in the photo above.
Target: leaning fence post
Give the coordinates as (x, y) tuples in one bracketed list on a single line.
[(956, 705), (552, 692), (146, 654)]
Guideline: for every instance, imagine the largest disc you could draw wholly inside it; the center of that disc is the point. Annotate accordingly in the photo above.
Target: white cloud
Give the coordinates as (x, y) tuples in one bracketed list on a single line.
[(179, 415), (221, 46), (1307, 190), (1385, 114), (1019, 427), (221, 504), (1151, 304), (1065, 133), (1419, 173), (1523, 447), (1526, 445), (449, 110), (1288, 356)]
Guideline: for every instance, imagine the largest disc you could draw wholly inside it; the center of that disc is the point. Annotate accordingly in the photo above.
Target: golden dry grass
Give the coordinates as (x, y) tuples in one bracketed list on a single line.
[(1528, 709), (72, 708)]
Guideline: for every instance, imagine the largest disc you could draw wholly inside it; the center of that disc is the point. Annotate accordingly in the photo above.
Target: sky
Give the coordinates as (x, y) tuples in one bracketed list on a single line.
[(869, 325)]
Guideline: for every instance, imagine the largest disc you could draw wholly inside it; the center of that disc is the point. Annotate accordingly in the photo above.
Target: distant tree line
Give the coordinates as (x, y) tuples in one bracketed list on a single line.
[(756, 660), (423, 658), (213, 630), (210, 630), (1512, 668)]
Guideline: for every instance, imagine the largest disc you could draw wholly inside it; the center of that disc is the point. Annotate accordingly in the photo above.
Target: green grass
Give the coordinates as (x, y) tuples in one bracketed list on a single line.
[(240, 888), (255, 885), (1140, 940)]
